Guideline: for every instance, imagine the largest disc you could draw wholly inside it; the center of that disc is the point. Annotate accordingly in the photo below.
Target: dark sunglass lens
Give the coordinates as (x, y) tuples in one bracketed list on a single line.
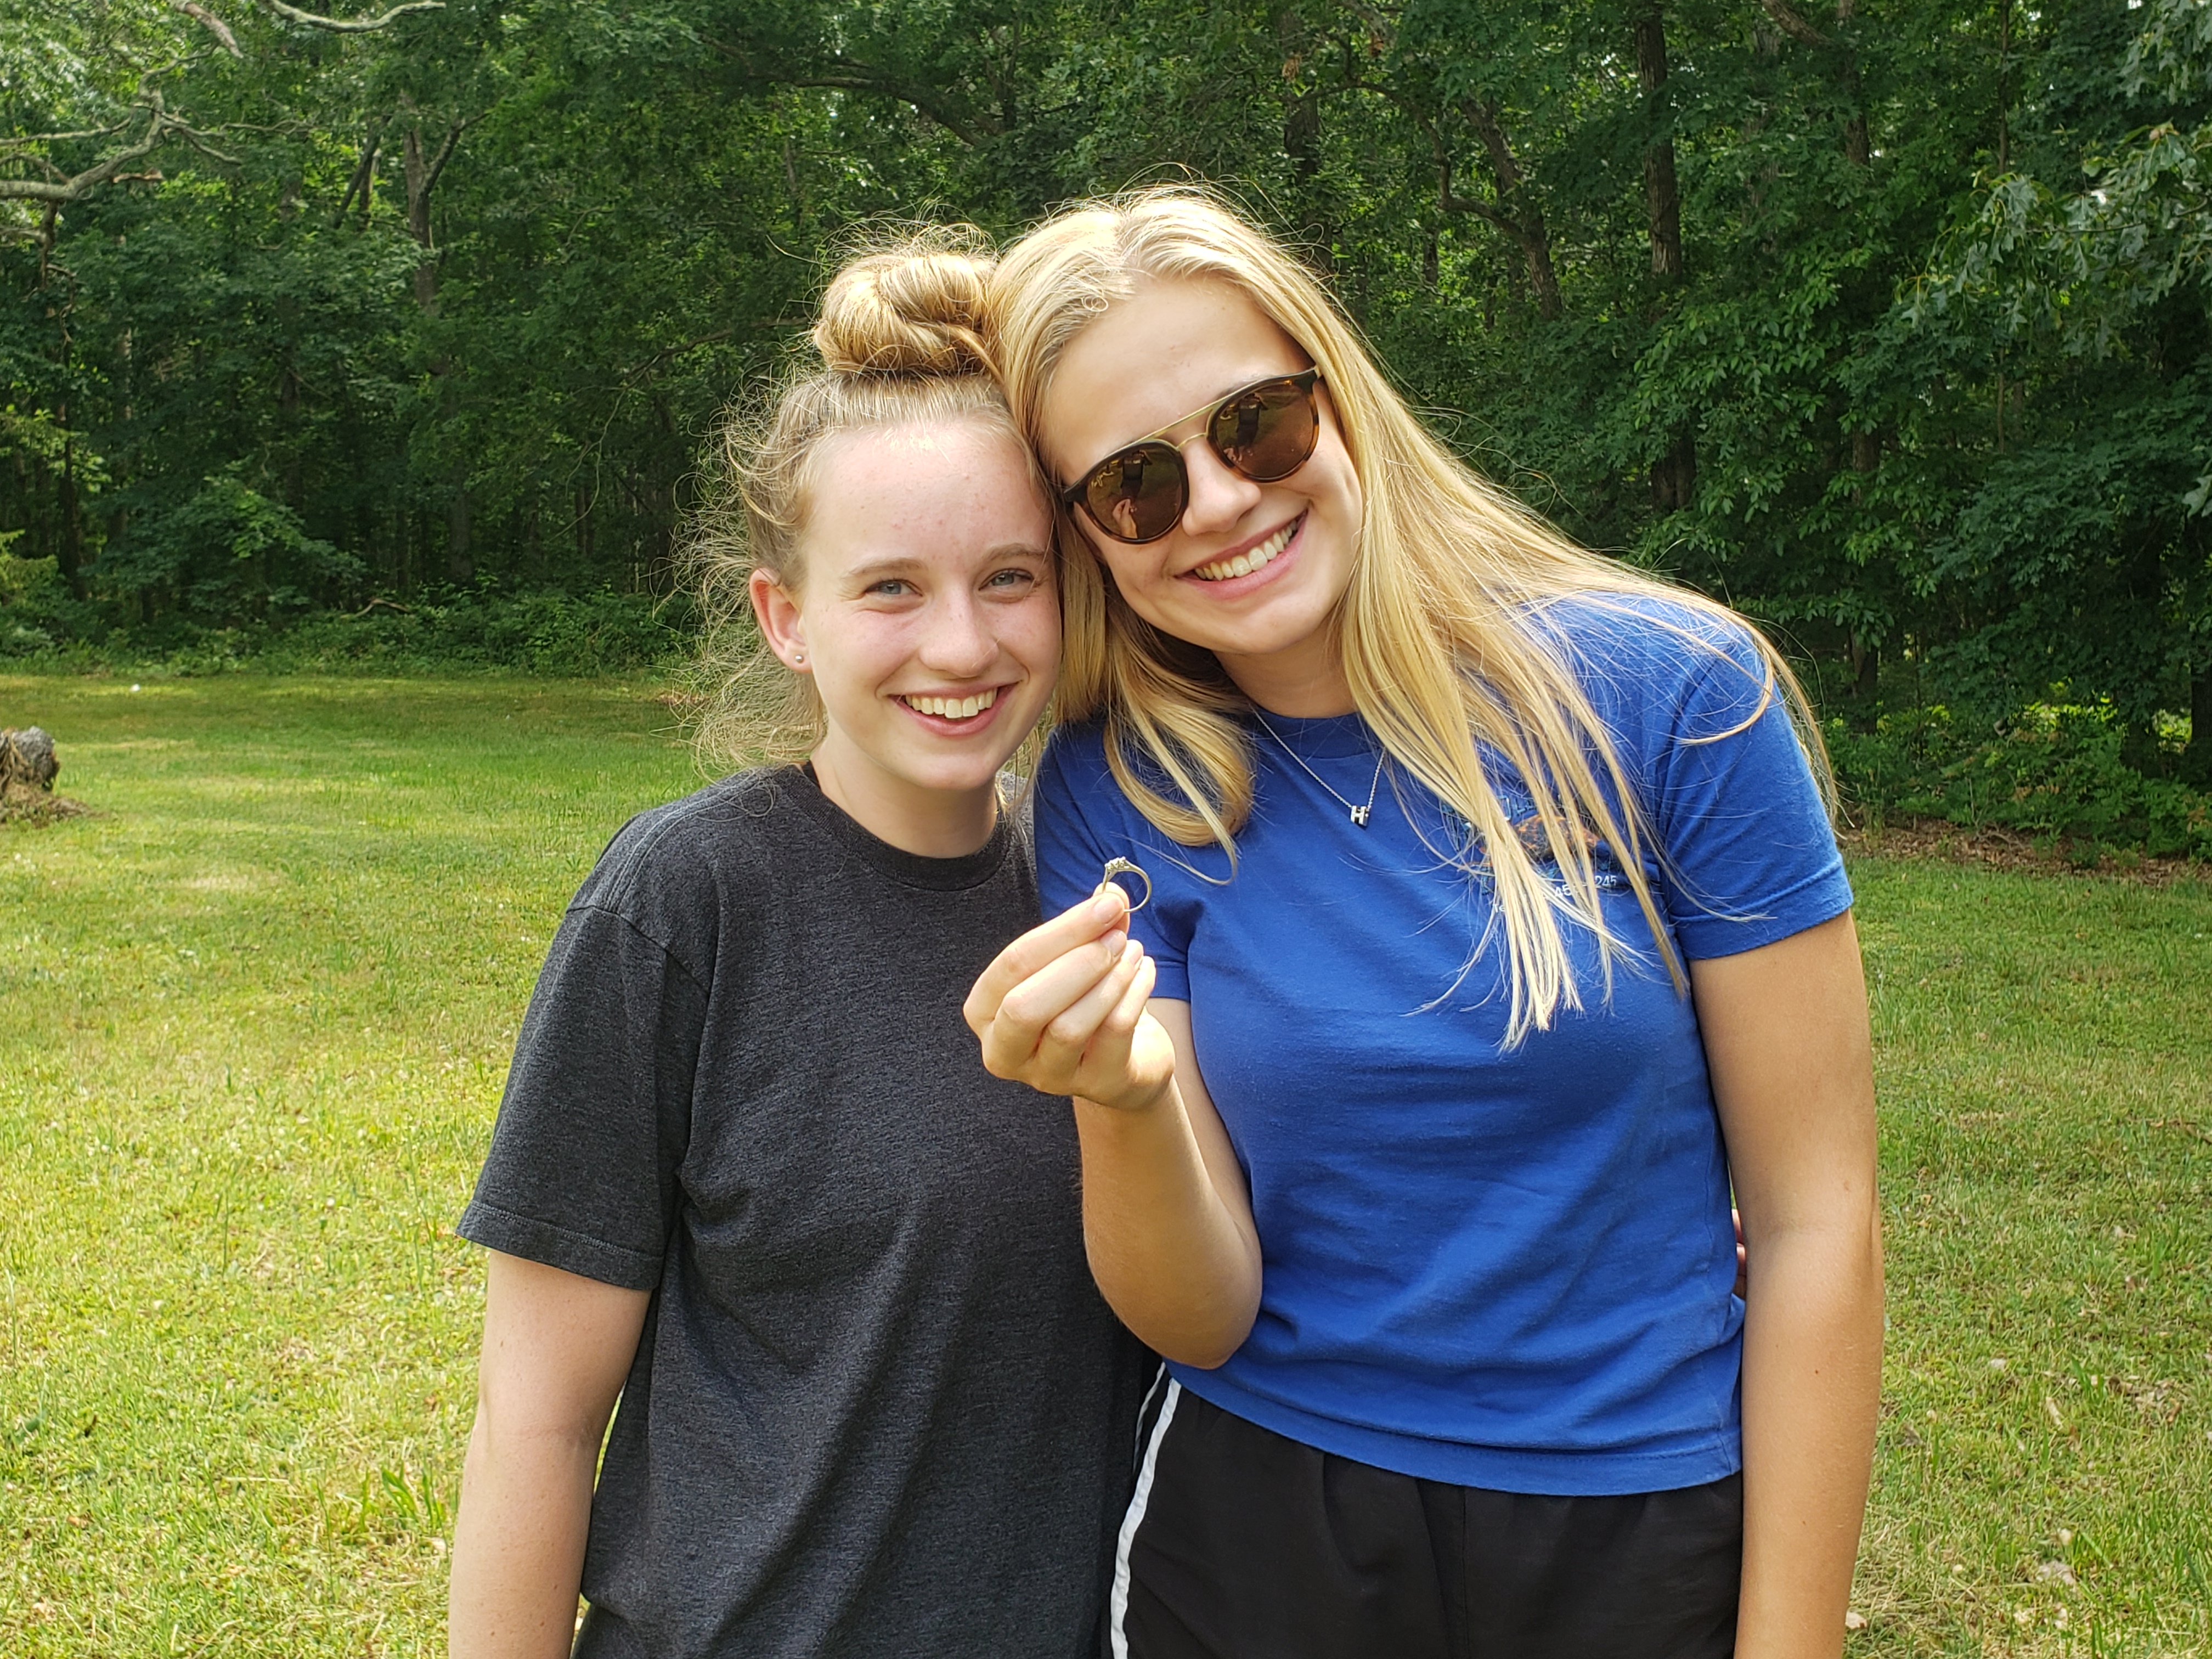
[(1137, 495), (1268, 431)]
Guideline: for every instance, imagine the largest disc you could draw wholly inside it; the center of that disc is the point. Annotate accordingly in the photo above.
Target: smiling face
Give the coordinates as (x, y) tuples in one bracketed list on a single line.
[(927, 615), (1254, 571)]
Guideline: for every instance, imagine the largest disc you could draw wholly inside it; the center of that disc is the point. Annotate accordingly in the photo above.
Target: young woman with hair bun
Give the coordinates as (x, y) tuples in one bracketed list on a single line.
[(1492, 933), (749, 1173)]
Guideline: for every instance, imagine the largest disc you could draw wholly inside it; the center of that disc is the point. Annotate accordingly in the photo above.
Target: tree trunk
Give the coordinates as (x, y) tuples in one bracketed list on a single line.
[(1866, 668), (1302, 142), (2004, 108), (1536, 237), (461, 566), (422, 175), (1675, 475), (2197, 758), (1858, 137), (419, 175), (1663, 200), (69, 549)]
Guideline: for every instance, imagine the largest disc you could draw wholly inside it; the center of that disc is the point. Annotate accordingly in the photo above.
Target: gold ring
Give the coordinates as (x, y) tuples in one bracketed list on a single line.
[(1124, 867)]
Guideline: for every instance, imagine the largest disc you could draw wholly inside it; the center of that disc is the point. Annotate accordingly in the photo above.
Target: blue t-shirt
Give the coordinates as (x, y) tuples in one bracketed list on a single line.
[(1506, 1268)]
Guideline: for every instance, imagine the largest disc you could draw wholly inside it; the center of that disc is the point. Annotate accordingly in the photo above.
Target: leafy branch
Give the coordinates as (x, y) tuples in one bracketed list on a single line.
[(60, 188), (1793, 24), (346, 25), (838, 73)]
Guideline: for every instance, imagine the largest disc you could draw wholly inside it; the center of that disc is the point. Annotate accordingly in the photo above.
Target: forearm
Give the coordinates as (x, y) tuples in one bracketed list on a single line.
[(1812, 1386), (1174, 1258), (518, 1542)]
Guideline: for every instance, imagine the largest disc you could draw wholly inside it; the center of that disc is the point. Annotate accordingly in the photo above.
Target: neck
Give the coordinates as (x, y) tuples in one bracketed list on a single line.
[(1303, 682), (931, 823)]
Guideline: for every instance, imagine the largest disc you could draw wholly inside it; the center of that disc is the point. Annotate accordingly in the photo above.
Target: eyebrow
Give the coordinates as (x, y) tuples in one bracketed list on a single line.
[(877, 570)]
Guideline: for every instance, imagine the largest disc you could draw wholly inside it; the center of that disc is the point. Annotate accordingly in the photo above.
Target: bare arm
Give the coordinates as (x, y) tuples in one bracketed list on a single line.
[(556, 1347), (1066, 1008), (1166, 1220), (1786, 1039)]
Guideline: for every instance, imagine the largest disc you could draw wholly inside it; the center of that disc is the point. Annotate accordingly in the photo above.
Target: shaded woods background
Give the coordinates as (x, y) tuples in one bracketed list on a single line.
[(1888, 322)]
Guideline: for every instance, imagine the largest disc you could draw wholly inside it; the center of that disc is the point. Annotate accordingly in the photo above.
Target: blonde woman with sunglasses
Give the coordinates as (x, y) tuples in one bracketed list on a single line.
[(1489, 933)]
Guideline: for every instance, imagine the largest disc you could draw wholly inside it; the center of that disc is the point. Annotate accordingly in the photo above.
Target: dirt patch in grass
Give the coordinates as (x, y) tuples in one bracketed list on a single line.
[(1939, 840)]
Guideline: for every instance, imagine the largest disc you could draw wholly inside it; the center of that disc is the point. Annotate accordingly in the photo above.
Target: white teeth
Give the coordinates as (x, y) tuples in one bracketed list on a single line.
[(1245, 563), (953, 709)]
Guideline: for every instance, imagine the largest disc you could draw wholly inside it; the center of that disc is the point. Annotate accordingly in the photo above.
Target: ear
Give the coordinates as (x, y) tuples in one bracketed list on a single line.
[(776, 608)]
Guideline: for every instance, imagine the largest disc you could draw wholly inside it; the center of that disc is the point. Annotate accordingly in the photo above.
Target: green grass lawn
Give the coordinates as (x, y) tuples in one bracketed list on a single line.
[(255, 1013)]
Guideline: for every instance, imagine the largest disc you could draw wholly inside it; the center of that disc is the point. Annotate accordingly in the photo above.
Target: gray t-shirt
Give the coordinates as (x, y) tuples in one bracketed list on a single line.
[(877, 1408)]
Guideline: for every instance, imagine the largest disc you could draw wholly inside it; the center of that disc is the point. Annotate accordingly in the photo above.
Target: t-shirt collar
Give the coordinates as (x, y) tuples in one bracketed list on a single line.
[(909, 869)]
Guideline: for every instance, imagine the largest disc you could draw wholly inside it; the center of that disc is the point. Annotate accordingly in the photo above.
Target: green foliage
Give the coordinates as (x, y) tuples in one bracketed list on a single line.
[(1925, 379), (226, 553), (2060, 772), (472, 630), (587, 634)]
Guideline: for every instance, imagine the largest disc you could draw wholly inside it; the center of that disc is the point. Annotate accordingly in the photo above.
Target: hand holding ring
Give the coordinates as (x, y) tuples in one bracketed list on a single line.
[(1124, 867)]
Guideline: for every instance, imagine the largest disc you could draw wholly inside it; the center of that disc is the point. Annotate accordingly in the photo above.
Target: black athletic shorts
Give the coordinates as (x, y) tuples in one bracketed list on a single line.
[(1240, 1544)]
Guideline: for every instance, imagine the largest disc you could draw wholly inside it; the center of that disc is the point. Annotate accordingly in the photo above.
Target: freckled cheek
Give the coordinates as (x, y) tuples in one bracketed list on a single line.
[(878, 647), (1031, 634)]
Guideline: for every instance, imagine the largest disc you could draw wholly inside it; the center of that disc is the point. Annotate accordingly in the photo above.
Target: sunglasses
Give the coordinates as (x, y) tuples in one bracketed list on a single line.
[(1263, 431)]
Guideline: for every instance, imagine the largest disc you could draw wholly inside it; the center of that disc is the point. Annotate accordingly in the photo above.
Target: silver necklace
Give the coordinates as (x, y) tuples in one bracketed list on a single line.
[(1359, 814)]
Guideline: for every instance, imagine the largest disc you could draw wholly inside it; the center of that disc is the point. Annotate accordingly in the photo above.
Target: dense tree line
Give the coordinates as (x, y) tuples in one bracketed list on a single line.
[(1886, 320)]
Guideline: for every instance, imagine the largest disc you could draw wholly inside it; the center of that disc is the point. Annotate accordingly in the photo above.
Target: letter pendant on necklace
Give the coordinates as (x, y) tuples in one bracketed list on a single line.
[(1361, 814)]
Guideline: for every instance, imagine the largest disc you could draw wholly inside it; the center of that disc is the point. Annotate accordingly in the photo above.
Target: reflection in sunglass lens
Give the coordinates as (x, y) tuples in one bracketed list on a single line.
[(1266, 433), (1139, 494)]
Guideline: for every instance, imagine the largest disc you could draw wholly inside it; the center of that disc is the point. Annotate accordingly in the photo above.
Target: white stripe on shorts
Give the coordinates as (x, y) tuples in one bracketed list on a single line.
[(1118, 1608)]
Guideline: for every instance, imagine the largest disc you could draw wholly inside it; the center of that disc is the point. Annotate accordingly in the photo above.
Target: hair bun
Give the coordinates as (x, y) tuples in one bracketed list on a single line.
[(916, 307)]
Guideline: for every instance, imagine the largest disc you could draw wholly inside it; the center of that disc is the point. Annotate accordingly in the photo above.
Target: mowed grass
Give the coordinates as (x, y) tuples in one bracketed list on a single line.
[(253, 1020)]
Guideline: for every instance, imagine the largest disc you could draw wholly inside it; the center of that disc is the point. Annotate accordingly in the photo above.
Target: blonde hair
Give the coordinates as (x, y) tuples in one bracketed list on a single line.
[(1441, 630), (900, 343)]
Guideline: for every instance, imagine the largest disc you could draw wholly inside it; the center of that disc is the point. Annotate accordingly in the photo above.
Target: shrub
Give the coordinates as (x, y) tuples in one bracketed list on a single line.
[(552, 634), (2053, 770), (556, 634)]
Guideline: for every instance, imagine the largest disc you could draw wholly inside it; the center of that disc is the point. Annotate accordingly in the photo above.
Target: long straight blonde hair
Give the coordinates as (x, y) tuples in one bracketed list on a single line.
[(1441, 631)]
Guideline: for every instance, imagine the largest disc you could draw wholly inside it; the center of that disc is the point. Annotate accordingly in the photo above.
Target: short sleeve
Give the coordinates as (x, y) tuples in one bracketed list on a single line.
[(1083, 821), (597, 1112), (1751, 857)]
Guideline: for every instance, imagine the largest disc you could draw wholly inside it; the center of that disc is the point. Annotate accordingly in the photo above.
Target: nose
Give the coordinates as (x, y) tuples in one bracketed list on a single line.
[(1219, 498), (956, 640)]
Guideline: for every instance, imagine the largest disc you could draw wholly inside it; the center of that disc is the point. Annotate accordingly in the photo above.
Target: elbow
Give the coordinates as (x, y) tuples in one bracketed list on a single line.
[(1204, 1338), (514, 1426), (1201, 1355), (1838, 1266)]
